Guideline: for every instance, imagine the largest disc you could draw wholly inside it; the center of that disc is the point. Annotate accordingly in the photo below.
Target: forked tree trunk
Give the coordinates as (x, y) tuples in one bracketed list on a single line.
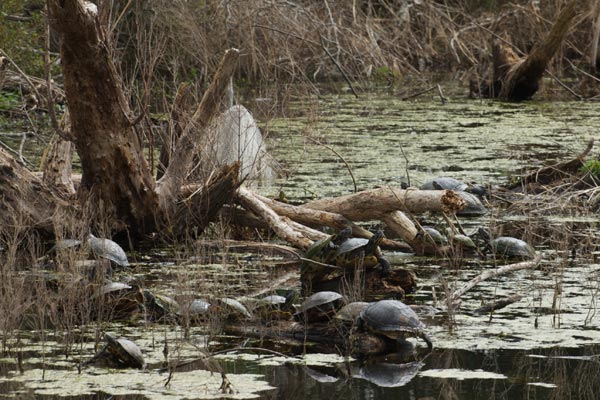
[(117, 180), (519, 80)]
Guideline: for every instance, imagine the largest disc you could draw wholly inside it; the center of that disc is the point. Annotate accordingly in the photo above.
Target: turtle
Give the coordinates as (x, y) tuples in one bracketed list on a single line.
[(120, 300), (448, 183), (106, 248), (435, 235), (392, 319), (271, 307), (353, 251), (510, 247), (160, 306), (196, 310), (323, 252), (319, 307), (126, 352), (233, 309), (444, 183), (347, 315), (473, 207)]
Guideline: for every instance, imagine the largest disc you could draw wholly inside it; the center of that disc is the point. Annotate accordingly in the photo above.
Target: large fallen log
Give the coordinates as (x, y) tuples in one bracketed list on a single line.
[(378, 203)]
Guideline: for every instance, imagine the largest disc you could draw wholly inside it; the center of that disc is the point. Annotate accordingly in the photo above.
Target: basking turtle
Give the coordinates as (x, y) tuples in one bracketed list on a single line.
[(510, 247), (473, 207), (321, 306), (106, 248), (234, 310), (160, 306), (124, 351), (448, 183), (435, 235), (353, 251), (324, 252), (393, 319), (347, 315), (444, 183)]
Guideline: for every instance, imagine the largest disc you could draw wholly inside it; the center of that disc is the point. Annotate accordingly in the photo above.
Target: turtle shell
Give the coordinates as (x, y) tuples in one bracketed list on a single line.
[(394, 319), (235, 309), (444, 183), (125, 351), (473, 207), (510, 247), (435, 235), (106, 248), (351, 311), (319, 306), (351, 249)]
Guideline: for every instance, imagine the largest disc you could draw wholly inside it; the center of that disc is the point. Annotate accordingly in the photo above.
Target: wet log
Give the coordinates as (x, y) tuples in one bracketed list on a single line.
[(27, 203), (498, 304), (552, 174), (318, 218), (332, 336), (520, 81), (368, 284), (378, 203), (279, 225)]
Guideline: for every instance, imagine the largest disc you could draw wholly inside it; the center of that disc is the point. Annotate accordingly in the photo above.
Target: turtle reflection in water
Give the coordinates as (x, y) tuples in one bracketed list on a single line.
[(392, 319)]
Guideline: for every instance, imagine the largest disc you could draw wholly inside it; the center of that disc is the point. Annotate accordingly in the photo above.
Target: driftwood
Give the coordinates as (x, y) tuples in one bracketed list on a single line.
[(498, 304), (369, 284), (455, 296), (552, 173), (330, 335), (377, 203)]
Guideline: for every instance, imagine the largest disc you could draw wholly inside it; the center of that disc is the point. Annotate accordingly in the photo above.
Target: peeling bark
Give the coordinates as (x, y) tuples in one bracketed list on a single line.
[(116, 179)]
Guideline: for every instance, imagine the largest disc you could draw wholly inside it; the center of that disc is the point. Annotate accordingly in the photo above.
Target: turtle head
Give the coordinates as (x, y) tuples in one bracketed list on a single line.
[(377, 238)]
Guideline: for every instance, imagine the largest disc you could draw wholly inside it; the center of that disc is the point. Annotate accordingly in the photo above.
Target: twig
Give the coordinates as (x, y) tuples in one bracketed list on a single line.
[(23, 74), (418, 93), (339, 67), (341, 158), (455, 295), (442, 98), (498, 304)]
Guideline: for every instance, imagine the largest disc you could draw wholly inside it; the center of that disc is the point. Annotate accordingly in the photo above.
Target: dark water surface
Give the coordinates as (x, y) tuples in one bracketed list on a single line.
[(544, 346)]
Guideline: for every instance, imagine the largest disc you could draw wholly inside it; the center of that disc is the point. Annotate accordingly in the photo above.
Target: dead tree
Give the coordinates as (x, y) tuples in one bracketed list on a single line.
[(518, 78)]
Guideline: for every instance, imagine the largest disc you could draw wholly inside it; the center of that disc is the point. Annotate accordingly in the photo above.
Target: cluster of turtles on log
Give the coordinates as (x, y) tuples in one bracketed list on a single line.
[(328, 266)]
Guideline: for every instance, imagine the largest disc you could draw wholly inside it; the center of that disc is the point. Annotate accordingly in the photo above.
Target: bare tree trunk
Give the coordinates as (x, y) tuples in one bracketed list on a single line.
[(521, 81), (117, 181)]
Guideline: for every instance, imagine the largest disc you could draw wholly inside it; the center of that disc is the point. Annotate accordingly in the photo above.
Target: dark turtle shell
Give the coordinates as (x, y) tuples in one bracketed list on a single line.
[(319, 306), (444, 183), (510, 247), (125, 351), (473, 207), (394, 319), (354, 250), (435, 235), (324, 250)]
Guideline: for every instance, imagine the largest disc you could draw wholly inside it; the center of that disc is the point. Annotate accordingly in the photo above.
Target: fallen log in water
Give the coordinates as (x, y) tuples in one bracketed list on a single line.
[(455, 296), (333, 336)]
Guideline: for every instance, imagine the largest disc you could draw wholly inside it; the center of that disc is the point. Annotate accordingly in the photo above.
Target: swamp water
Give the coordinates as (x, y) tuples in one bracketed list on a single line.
[(546, 345)]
